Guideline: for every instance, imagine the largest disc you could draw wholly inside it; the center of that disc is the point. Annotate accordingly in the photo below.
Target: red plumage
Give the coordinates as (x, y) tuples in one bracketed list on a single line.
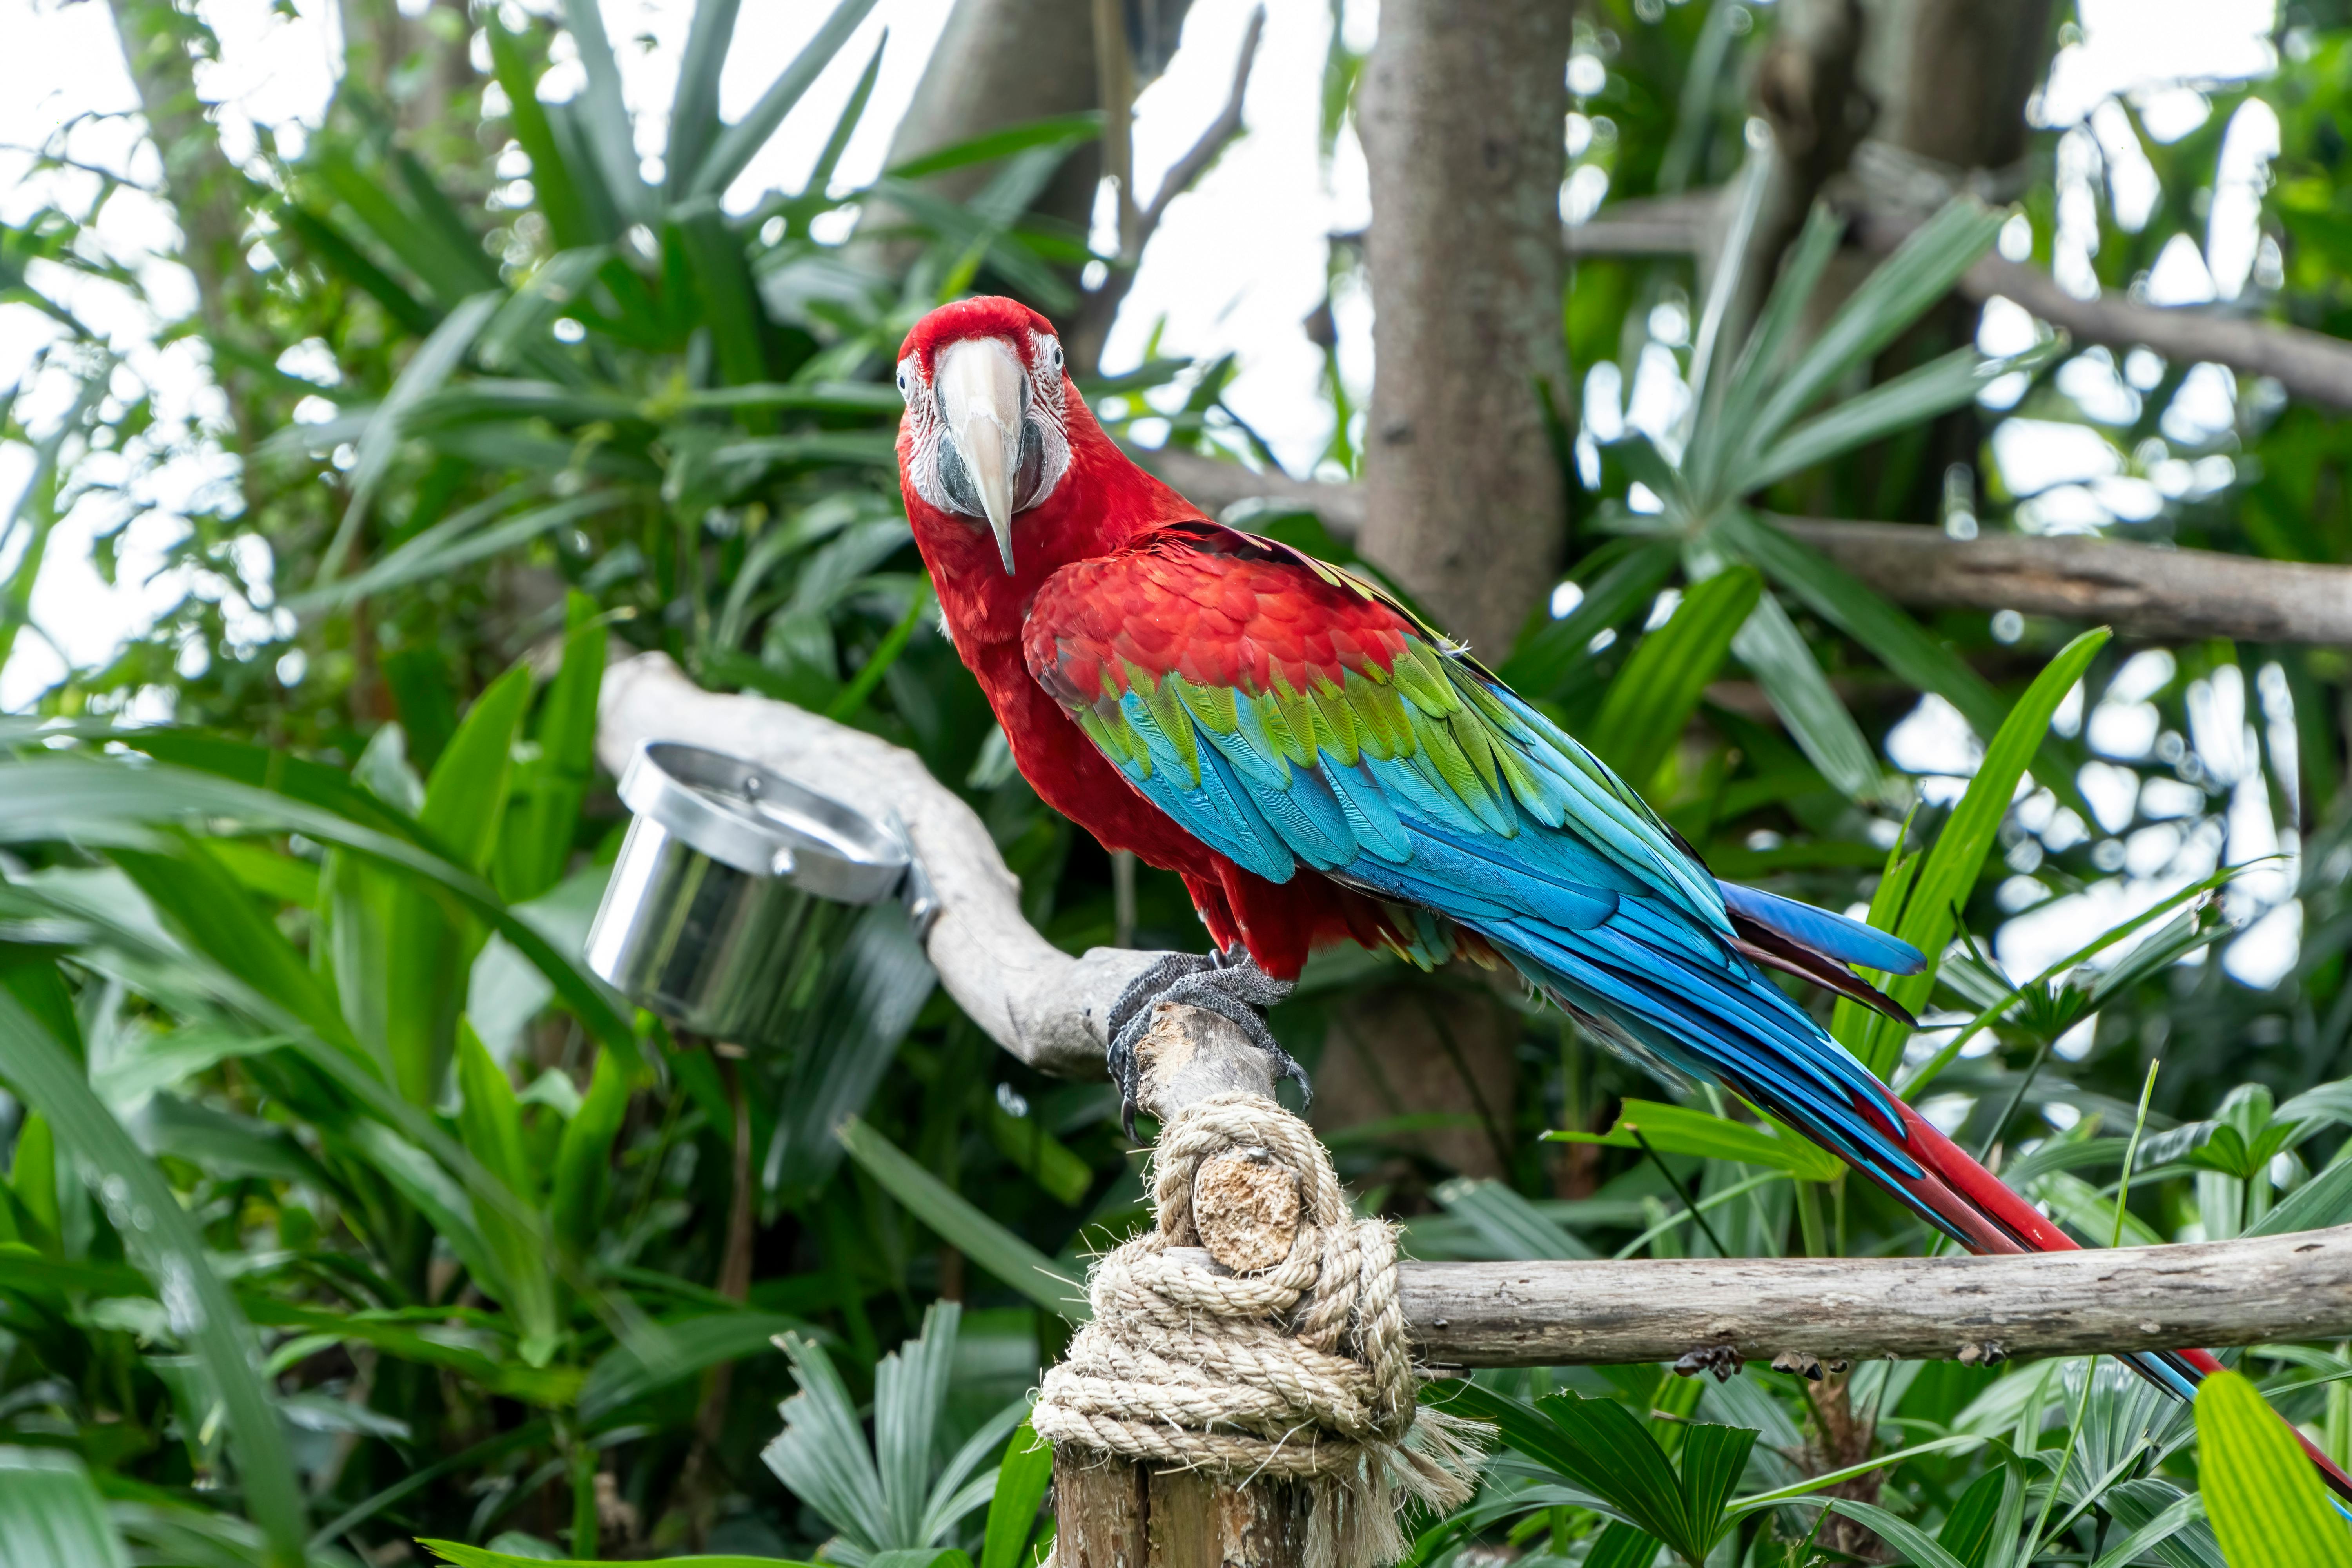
[(1128, 576), (1174, 602), (1104, 505)]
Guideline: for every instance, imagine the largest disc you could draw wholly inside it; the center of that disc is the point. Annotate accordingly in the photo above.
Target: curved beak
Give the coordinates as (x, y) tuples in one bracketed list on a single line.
[(981, 389)]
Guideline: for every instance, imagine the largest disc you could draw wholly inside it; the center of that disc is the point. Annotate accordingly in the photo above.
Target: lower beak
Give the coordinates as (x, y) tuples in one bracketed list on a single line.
[(980, 385)]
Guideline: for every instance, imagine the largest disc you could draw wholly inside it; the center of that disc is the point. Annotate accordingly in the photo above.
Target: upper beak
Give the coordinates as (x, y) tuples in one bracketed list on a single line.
[(980, 385)]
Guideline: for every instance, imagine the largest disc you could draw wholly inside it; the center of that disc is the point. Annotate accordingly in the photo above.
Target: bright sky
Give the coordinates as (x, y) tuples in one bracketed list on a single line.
[(1238, 265)]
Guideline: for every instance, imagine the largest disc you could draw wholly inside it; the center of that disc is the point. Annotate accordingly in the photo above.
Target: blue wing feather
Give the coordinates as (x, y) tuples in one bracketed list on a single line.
[(1548, 858), (1484, 816), (1847, 941)]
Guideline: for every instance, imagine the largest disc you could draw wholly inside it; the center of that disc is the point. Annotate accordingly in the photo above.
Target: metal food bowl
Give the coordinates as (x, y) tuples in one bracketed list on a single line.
[(732, 887)]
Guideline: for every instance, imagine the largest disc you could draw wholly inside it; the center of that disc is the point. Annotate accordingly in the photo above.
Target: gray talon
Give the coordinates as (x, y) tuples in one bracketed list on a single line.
[(1229, 984)]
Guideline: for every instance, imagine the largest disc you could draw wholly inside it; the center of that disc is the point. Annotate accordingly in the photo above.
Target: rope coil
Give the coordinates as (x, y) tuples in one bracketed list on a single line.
[(1300, 1372)]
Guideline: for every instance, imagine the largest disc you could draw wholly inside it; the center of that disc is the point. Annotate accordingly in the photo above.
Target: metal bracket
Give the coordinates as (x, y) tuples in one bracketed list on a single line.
[(916, 891)]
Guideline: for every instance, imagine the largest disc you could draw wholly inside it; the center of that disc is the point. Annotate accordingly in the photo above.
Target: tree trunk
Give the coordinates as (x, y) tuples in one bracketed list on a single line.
[(1949, 79), (1460, 111), (418, 69), (1001, 63), (1426, 1046), (1951, 76), (208, 194)]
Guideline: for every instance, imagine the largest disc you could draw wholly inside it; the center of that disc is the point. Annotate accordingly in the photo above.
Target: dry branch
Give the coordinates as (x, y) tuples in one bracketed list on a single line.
[(2254, 1290), (2309, 365), (2141, 590)]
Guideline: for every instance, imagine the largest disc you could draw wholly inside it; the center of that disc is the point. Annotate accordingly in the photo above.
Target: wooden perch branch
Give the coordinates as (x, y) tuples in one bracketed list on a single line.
[(1033, 999), (1048, 1008), (2141, 590), (2210, 1294)]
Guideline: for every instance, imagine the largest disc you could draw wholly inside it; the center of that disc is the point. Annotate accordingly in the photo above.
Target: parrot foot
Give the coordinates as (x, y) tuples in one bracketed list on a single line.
[(1229, 984)]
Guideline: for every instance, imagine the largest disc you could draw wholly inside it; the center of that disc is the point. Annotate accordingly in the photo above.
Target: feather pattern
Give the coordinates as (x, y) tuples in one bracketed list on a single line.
[(1298, 721), (1317, 764), (1363, 747)]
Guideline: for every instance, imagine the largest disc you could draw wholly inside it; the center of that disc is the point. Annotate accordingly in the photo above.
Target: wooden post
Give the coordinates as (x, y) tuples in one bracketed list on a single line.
[(1116, 1515), (1113, 1514)]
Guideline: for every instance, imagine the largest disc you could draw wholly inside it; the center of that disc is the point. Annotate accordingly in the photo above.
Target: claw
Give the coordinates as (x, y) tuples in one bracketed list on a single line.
[(1229, 983)]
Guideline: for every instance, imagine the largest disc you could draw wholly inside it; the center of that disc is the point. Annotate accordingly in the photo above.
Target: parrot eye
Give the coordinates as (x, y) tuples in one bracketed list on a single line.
[(1054, 356)]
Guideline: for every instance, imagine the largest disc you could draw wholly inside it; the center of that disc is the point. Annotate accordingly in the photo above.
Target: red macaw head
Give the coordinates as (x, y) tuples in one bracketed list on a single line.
[(987, 412)]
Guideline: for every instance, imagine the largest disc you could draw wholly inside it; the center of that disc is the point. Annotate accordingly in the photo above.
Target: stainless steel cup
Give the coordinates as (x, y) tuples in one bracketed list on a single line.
[(732, 887)]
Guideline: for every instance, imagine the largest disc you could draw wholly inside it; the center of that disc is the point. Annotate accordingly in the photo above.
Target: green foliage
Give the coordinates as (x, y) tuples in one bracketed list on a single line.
[(1599, 1446), (1659, 687), (475, 1557), (293, 978), (52, 1516), (1952, 865), (948, 1212), (897, 1499), (44, 1068), (2267, 1505), (1023, 1480), (1686, 1129)]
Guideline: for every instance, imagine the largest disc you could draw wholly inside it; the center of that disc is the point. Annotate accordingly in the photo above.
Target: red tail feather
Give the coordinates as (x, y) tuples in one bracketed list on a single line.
[(1957, 1190), (1995, 1219)]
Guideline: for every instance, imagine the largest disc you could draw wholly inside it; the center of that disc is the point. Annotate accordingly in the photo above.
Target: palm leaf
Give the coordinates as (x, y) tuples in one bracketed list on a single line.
[(42, 1069), (739, 143)]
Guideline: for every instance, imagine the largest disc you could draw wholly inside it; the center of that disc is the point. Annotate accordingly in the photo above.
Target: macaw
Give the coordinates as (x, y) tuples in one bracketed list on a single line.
[(1320, 766)]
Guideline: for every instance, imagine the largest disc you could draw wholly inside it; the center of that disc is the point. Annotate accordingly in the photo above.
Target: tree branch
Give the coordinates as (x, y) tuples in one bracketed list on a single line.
[(2253, 1290), (2141, 590), (1100, 308), (1212, 142), (1214, 485), (2309, 365), (1650, 226), (1034, 1000)]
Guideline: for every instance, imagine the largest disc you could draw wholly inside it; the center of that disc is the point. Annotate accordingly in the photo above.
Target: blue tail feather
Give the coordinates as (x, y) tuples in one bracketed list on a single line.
[(1845, 940)]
